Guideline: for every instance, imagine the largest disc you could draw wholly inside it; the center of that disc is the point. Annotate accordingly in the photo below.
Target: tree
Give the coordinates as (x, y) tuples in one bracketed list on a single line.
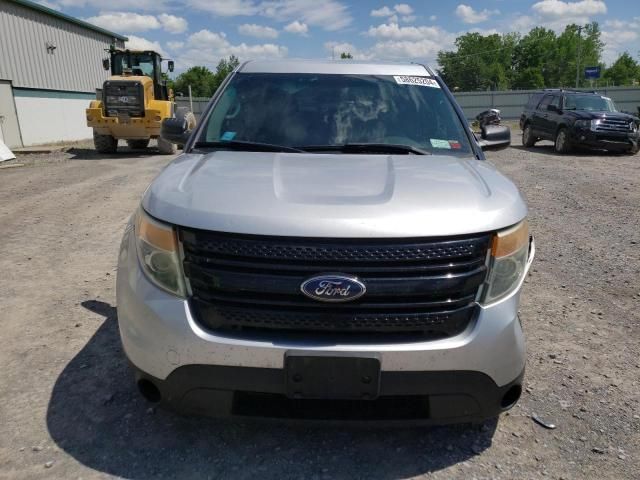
[(539, 59), (224, 68), (480, 62), (624, 71), (346, 56), (203, 81)]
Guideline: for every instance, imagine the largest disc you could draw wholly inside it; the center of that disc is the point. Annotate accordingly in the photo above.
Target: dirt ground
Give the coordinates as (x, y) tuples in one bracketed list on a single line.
[(69, 409)]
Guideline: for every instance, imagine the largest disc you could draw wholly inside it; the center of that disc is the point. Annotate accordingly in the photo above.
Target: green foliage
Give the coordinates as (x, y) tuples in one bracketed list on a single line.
[(541, 58), (624, 71), (345, 56), (203, 81)]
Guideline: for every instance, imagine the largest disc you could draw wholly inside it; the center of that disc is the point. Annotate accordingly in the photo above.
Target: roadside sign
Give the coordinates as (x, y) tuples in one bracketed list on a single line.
[(592, 72)]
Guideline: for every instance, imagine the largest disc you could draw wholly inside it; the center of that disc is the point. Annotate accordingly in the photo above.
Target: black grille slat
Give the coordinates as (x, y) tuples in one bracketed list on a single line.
[(252, 283), (449, 285), (448, 322)]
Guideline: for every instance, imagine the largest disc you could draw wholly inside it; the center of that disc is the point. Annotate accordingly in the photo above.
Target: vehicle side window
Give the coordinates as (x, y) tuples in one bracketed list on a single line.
[(534, 101), (555, 101), (545, 102)]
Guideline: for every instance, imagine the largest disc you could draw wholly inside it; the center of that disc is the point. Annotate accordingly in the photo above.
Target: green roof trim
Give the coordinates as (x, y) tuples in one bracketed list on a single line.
[(68, 18)]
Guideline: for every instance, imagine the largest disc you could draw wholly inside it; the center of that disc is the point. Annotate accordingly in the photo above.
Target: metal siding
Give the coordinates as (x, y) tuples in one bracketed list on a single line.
[(75, 65)]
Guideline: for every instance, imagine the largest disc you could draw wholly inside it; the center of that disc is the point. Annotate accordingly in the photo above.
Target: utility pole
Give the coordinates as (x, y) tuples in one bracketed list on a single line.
[(578, 57)]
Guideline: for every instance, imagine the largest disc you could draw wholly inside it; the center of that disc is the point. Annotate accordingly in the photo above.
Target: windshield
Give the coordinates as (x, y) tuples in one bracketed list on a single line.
[(136, 64), (314, 110), (592, 103)]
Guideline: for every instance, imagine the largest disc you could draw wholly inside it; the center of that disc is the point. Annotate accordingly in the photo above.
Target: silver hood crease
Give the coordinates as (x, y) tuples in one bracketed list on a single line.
[(334, 195)]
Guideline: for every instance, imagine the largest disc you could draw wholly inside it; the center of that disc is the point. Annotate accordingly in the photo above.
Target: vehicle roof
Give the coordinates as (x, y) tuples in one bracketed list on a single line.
[(343, 67), (568, 92)]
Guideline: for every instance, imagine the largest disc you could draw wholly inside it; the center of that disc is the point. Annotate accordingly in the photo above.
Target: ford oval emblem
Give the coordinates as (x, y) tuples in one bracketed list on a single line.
[(333, 288)]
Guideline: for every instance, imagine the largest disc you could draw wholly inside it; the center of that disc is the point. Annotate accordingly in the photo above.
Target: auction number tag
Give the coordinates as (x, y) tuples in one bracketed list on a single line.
[(420, 81)]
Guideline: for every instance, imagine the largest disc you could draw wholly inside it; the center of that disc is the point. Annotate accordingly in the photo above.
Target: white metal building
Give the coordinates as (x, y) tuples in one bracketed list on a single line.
[(50, 67)]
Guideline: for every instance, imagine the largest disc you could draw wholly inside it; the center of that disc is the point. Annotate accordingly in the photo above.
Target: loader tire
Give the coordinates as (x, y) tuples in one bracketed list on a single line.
[(165, 147), (138, 144), (105, 143)]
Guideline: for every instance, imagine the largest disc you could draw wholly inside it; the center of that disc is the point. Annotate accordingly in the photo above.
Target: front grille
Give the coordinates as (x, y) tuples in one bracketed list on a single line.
[(613, 125), (248, 283), (114, 94)]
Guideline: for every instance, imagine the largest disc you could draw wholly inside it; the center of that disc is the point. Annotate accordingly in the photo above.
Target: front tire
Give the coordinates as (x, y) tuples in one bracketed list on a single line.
[(165, 147), (105, 143), (138, 144), (528, 140), (562, 144)]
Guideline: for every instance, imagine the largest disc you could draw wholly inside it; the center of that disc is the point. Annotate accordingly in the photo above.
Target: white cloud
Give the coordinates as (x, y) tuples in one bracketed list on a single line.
[(207, 47), (433, 18), (393, 31), (425, 49), (116, 5), (140, 43), (328, 14), (335, 49), (619, 36), (173, 24), (226, 8), (331, 15), (395, 42), (297, 27), (408, 18), (51, 5), (568, 10), (173, 46), (403, 9), (124, 21), (258, 31), (400, 9), (135, 22), (382, 12), (468, 15)]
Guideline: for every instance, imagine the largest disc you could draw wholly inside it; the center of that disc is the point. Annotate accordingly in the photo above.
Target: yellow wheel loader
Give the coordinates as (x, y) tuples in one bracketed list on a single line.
[(133, 103)]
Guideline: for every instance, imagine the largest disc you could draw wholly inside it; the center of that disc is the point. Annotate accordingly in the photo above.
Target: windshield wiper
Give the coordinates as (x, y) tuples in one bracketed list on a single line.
[(248, 146), (367, 148)]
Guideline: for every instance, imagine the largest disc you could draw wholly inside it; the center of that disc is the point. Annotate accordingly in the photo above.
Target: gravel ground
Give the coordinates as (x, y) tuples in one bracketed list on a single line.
[(68, 407)]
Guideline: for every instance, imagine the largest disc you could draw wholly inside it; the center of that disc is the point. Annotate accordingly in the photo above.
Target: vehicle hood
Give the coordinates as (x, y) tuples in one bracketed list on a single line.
[(334, 195)]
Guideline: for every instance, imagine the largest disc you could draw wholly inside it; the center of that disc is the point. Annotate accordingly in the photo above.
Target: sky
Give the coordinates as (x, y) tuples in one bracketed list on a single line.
[(200, 32)]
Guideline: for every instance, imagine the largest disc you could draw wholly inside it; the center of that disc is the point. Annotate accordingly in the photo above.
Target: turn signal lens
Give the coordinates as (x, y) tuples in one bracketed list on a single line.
[(509, 263), (510, 241)]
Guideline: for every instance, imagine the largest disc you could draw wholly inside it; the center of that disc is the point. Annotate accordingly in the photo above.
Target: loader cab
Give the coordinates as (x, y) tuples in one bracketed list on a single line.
[(140, 63)]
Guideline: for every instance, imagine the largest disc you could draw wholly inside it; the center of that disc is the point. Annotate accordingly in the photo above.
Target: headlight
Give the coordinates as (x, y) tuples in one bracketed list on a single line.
[(582, 124), (509, 256), (633, 126), (595, 123), (157, 246)]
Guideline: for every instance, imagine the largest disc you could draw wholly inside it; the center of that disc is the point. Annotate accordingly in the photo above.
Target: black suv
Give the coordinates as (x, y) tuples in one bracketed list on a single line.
[(573, 118)]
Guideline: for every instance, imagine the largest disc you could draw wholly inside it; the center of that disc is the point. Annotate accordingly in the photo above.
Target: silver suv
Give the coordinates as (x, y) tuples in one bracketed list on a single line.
[(331, 242)]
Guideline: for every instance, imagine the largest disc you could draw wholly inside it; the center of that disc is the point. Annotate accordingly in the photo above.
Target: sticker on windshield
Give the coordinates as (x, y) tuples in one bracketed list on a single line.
[(455, 144), (438, 143), (420, 81), (228, 136)]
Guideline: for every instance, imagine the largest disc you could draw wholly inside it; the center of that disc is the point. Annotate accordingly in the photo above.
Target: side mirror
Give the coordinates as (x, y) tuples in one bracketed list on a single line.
[(495, 137), (106, 64), (175, 130), (171, 65)]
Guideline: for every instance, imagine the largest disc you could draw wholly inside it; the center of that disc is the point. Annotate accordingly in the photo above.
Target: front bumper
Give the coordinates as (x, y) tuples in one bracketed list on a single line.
[(613, 141), (464, 377), (129, 128)]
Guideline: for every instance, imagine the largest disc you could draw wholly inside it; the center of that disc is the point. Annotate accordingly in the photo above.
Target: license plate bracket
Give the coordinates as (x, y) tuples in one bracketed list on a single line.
[(314, 375)]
